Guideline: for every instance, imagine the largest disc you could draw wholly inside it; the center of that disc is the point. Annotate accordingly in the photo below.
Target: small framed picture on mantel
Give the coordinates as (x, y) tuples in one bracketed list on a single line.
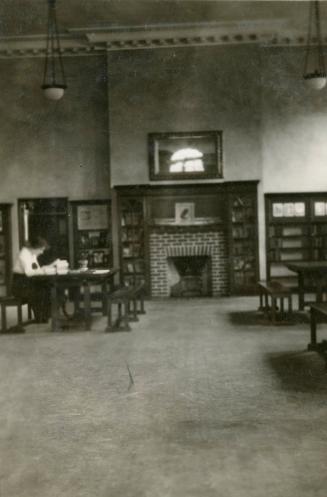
[(184, 213)]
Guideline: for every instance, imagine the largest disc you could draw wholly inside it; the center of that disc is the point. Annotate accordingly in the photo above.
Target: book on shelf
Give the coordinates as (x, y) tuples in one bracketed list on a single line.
[(288, 209), (293, 256), (293, 231), (292, 243), (320, 209)]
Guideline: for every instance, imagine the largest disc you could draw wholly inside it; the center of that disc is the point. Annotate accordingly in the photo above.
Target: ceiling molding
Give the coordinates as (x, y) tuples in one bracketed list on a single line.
[(89, 41)]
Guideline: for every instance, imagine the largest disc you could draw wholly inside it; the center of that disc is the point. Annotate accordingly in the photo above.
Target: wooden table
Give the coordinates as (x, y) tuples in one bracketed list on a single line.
[(317, 312), (317, 270), (76, 281)]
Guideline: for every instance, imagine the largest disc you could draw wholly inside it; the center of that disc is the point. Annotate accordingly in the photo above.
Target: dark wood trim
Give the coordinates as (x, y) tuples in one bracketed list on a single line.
[(190, 228), (5, 209), (223, 192), (312, 240), (52, 213), (216, 137)]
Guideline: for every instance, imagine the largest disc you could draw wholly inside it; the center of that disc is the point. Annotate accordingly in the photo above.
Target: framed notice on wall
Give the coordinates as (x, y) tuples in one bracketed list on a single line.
[(92, 217)]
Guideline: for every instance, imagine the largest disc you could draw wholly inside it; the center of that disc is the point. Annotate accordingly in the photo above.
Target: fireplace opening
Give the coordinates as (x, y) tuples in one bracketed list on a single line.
[(189, 276)]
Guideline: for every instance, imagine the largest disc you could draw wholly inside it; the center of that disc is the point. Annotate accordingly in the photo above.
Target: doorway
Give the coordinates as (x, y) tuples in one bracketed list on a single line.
[(48, 218)]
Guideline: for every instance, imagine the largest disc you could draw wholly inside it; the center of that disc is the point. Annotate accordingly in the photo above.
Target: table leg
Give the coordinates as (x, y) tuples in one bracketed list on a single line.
[(141, 310), (75, 296), (273, 310), (54, 309), (282, 307), (319, 290), (260, 300), (301, 291), (313, 330), (266, 303), (3, 318), (77, 300), (87, 306), (290, 309), (104, 290)]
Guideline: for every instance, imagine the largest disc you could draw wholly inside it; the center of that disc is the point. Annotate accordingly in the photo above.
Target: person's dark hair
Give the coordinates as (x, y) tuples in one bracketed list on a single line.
[(36, 242)]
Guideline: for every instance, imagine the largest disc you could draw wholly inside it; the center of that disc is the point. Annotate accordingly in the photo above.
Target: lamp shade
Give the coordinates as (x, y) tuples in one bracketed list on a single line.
[(54, 92), (315, 81), (314, 65)]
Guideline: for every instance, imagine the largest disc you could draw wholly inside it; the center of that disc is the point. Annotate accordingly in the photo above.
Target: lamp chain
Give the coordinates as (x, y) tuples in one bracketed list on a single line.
[(321, 61), (54, 79)]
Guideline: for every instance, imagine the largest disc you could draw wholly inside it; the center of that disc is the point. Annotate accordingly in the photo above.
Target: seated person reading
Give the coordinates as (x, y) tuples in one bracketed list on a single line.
[(36, 293)]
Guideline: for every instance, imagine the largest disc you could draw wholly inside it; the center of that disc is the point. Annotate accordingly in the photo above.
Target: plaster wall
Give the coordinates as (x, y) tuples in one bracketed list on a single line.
[(294, 123), (185, 89), (273, 126), (51, 149), (294, 120)]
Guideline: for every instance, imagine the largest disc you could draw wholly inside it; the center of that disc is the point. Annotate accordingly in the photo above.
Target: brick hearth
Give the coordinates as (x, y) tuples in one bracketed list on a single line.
[(184, 243)]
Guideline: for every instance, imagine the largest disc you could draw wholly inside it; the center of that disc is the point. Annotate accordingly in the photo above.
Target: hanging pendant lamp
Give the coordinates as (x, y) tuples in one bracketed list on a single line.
[(314, 66), (54, 80)]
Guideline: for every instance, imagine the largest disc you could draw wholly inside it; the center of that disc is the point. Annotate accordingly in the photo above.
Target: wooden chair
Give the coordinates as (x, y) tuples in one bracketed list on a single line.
[(11, 301)]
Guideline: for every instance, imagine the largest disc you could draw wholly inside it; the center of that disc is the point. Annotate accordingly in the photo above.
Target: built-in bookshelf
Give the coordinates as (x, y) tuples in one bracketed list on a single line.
[(92, 233), (5, 249), (296, 230), (243, 242), (318, 231), (132, 240)]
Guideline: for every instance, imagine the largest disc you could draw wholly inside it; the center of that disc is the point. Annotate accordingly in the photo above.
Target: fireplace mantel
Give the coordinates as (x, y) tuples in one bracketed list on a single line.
[(232, 208), (187, 228)]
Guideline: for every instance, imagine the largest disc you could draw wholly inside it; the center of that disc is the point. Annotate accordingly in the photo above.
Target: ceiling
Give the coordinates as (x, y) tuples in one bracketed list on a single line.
[(93, 22)]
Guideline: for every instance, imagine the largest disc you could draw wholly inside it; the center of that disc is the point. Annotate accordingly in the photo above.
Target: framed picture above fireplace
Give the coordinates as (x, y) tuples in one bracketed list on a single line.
[(185, 156)]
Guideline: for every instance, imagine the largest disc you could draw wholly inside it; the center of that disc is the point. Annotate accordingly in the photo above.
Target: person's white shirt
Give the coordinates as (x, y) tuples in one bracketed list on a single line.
[(27, 262)]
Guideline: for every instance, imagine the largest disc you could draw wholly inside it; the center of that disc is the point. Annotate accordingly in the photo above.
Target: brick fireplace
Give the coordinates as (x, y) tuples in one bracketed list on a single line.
[(189, 240), (167, 245)]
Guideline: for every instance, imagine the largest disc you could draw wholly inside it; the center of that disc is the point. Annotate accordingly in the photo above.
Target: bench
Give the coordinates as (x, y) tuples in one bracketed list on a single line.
[(11, 301), (136, 304), (318, 312), (275, 291), (130, 303), (120, 297)]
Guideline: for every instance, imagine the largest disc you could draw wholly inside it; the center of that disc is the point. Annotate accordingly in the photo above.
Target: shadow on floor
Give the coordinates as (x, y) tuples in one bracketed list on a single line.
[(256, 318), (300, 371)]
